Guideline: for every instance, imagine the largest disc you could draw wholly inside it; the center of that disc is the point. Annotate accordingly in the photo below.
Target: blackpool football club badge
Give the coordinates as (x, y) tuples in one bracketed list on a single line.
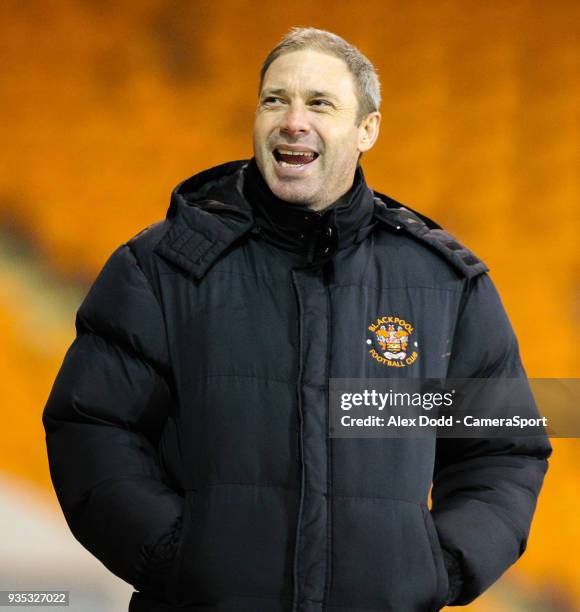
[(391, 342)]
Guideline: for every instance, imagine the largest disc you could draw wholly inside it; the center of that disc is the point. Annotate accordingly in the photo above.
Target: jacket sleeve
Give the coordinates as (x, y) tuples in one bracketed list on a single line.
[(106, 408), (485, 490)]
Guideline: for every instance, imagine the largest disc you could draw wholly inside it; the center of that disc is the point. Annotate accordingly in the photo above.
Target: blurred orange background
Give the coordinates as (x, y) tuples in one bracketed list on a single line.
[(106, 105)]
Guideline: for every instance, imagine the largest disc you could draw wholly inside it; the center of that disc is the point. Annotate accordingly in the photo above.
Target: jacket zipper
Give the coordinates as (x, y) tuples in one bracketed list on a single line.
[(300, 447)]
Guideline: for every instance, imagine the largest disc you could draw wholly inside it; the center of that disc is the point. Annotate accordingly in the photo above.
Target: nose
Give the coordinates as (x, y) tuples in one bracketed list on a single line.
[(295, 121)]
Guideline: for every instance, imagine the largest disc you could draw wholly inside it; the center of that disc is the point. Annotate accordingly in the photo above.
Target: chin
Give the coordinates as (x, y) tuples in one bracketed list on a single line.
[(290, 194), (290, 190)]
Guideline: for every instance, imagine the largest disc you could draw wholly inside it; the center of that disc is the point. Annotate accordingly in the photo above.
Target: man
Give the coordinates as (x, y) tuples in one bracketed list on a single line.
[(187, 429)]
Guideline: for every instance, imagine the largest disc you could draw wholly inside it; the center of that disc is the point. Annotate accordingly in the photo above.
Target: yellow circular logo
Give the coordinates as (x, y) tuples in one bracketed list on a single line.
[(391, 342)]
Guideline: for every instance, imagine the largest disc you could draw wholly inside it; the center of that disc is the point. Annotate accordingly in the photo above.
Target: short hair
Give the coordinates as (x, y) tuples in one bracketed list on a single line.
[(367, 84)]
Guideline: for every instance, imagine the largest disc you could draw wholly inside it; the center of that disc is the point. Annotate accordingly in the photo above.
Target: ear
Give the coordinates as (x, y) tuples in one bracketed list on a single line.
[(368, 131)]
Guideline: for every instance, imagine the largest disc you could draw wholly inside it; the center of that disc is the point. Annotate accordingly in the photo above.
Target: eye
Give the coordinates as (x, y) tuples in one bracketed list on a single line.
[(272, 100), (320, 103)]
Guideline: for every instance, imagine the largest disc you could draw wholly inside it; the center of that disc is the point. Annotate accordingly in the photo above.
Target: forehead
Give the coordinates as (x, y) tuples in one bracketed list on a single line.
[(310, 70)]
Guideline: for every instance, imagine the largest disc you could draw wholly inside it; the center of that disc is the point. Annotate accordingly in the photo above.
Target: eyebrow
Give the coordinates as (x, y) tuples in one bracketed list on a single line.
[(311, 93)]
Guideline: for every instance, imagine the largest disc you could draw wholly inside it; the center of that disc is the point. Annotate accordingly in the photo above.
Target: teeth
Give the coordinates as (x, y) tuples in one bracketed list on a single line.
[(301, 153), (287, 165)]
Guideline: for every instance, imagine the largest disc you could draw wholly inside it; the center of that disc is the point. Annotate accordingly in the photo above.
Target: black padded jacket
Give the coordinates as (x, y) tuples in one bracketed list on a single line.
[(187, 429)]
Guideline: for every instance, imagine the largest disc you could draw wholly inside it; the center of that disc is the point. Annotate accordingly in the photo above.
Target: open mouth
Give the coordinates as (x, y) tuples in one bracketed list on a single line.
[(293, 159)]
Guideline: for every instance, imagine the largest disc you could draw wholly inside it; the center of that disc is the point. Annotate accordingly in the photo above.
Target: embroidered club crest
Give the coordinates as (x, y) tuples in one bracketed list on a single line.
[(390, 342)]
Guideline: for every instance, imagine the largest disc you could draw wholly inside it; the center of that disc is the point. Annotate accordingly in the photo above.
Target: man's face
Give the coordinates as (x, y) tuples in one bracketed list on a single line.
[(306, 141)]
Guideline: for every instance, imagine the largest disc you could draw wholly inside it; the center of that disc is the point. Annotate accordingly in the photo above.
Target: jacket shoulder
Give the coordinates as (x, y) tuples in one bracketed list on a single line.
[(143, 245), (121, 308), (425, 230)]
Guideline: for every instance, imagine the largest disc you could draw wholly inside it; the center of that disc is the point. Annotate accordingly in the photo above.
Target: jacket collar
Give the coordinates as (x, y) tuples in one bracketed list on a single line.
[(316, 235)]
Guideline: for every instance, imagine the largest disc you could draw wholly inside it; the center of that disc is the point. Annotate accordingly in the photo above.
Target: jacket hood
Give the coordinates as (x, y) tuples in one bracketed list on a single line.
[(208, 213), (218, 185)]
